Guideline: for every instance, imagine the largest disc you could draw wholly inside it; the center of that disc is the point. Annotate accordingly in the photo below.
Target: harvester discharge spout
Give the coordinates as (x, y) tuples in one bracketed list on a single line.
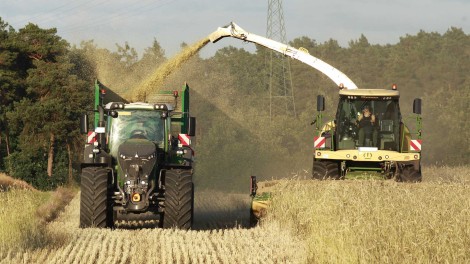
[(222, 32), (235, 31)]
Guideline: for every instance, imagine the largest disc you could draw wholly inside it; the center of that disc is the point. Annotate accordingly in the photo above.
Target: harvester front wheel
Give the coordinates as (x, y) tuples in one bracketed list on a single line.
[(96, 206), (179, 199), (325, 170), (410, 174)]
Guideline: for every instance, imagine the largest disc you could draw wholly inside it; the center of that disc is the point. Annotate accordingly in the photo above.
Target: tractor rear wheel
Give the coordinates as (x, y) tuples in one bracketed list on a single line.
[(325, 170), (179, 199), (410, 174), (96, 205)]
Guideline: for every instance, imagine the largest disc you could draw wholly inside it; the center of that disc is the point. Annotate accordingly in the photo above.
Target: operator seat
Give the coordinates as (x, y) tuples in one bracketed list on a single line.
[(387, 135)]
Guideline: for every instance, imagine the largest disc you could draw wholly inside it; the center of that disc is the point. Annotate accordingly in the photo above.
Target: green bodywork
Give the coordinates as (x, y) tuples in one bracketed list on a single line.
[(157, 126)]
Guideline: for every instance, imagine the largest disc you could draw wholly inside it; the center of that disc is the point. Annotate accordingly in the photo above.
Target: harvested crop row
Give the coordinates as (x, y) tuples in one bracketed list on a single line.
[(266, 244)]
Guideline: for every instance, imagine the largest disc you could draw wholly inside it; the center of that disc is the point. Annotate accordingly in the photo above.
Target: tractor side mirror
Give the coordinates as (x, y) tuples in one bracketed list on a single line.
[(191, 126), (84, 124), (417, 106), (320, 103)]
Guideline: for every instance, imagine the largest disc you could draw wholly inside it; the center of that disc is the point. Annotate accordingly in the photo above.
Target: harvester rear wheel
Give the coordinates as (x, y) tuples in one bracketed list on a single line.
[(96, 205), (179, 199), (325, 170), (410, 174)]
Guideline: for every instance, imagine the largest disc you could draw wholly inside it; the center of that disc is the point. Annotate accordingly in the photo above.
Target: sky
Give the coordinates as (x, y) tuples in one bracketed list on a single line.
[(172, 22)]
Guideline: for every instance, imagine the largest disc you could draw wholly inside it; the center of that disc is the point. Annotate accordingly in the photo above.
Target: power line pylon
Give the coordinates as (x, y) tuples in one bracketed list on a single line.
[(281, 93)]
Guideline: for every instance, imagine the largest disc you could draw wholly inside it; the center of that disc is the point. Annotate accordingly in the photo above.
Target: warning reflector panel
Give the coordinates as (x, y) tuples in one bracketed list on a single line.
[(185, 140), (415, 144), (91, 137), (319, 142)]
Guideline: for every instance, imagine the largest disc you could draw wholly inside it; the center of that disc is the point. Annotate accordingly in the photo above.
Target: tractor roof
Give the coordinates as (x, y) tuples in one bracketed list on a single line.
[(139, 106), (370, 92)]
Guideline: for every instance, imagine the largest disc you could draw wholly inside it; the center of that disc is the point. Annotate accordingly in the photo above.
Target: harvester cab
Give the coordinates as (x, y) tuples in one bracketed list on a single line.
[(138, 160), (368, 134)]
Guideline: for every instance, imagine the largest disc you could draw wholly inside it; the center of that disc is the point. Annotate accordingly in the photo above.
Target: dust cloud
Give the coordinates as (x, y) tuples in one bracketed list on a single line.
[(136, 81)]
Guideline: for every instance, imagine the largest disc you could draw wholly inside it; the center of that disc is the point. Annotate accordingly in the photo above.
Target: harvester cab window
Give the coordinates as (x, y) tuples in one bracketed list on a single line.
[(346, 124), (136, 124), (381, 131)]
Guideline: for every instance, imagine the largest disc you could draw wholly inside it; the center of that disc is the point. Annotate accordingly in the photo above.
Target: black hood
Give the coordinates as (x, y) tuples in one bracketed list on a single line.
[(137, 157), (137, 148)]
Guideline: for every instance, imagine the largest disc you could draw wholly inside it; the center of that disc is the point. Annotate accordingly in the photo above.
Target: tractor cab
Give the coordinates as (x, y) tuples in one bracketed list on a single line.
[(138, 123)]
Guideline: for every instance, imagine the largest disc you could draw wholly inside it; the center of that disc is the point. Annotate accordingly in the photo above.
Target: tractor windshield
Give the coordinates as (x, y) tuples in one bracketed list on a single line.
[(135, 124), (365, 122)]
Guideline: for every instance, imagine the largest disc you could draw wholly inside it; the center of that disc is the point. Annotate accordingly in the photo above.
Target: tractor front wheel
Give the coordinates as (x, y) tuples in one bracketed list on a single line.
[(96, 206), (179, 199)]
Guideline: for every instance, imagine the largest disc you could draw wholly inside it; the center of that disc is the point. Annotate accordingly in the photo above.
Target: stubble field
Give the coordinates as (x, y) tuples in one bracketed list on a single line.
[(220, 235), (363, 221)]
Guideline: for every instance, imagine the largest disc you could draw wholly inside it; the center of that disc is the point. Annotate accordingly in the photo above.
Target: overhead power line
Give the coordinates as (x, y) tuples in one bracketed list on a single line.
[(60, 10), (124, 16)]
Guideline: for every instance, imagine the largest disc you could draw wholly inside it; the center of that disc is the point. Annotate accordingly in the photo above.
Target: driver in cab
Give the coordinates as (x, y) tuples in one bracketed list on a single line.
[(366, 122)]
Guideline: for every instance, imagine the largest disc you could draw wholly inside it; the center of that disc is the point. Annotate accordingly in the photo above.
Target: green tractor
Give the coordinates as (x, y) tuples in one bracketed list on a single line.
[(138, 162)]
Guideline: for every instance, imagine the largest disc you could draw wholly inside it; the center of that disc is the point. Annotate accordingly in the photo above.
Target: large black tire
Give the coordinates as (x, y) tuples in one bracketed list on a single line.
[(96, 205), (409, 174), (179, 199), (325, 170)]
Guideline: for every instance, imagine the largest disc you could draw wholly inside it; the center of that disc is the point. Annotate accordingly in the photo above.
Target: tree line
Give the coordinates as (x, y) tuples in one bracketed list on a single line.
[(46, 84)]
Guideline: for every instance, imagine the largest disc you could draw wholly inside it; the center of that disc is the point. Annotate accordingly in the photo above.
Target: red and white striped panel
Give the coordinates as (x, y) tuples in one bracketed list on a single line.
[(185, 140), (91, 138), (319, 142), (415, 144)]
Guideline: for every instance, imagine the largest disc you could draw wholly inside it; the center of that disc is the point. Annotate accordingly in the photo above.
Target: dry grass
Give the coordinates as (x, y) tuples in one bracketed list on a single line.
[(379, 221), (18, 224), (7, 182), (446, 174), (25, 213), (59, 199)]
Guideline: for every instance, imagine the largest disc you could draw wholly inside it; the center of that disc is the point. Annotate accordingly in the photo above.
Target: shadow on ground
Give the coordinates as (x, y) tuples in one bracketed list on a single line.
[(216, 210), (212, 210)]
